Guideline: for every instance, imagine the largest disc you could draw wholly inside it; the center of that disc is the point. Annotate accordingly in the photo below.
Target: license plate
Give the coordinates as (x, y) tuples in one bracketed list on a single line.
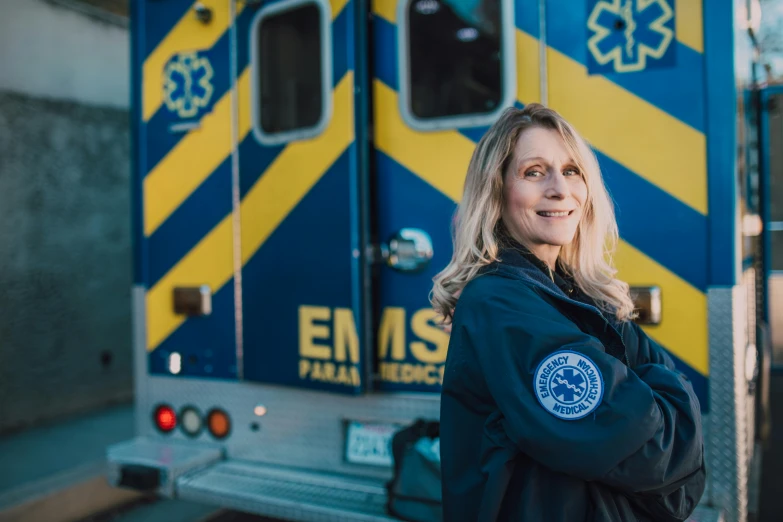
[(369, 443)]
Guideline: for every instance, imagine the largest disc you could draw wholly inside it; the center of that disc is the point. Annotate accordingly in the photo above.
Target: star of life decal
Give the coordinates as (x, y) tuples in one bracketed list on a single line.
[(568, 385)]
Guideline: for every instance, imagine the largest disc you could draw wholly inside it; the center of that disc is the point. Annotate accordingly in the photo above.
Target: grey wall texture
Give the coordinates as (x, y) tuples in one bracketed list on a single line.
[(65, 259)]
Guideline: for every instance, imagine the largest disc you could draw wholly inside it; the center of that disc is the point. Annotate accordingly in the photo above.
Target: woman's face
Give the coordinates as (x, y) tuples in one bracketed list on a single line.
[(544, 193)]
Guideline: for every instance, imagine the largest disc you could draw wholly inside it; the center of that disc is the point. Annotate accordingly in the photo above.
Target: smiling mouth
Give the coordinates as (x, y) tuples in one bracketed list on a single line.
[(555, 214)]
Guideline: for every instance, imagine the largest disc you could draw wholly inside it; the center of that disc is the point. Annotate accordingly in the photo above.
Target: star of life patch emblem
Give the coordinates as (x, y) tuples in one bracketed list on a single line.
[(568, 385)]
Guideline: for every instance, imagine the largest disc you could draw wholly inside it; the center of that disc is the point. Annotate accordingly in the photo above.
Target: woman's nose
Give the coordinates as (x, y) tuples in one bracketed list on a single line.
[(558, 188)]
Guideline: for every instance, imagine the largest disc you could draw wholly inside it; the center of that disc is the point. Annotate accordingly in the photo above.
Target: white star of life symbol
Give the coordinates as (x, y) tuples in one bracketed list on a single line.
[(188, 84), (622, 56)]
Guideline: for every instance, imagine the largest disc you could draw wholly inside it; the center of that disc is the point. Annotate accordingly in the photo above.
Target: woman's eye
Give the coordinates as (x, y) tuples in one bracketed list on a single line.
[(533, 173), (571, 172)]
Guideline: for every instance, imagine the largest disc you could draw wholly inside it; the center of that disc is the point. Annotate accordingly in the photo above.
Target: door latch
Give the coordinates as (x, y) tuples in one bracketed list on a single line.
[(408, 251)]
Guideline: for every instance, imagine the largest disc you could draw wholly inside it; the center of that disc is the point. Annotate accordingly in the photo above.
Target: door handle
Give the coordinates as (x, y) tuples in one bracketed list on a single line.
[(408, 251)]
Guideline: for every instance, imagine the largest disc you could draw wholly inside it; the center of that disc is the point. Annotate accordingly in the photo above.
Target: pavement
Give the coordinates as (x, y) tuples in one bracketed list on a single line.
[(151, 509)]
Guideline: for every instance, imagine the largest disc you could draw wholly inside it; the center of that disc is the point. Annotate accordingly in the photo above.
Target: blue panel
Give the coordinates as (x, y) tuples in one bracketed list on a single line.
[(385, 50), (254, 159), (653, 85), (678, 240), (306, 261), (721, 140), (160, 17), (138, 144), (202, 211), (342, 43), (526, 17), (408, 201), (474, 133), (207, 344)]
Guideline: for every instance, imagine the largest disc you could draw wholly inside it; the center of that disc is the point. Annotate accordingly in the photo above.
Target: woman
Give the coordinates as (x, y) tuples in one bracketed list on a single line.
[(555, 405)]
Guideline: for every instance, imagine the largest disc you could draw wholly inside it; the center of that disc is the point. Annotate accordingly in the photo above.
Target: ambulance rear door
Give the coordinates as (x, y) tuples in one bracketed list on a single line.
[(300, 251), (442, 72)]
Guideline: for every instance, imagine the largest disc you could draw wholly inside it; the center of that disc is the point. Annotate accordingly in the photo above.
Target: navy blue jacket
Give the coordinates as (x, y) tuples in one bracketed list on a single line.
[(550, 412)]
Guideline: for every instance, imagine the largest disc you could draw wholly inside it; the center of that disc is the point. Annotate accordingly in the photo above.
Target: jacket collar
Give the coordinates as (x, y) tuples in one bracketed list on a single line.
[(524, 263), (516, 262), (514, 253), (513, 264)]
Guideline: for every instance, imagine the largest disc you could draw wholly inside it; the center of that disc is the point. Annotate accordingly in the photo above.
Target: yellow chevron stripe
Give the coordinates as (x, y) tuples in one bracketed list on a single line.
[(190, 162), (441, 159), (386, 9), (294, 172), (443, 155), (187, 35), (267, 204), (683, 328), (528, 68), (650, 142), (688, 18), (337, 6)]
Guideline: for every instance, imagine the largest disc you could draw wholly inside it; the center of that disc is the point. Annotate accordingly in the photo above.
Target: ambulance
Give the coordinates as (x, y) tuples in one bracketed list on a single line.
[(296, 168)]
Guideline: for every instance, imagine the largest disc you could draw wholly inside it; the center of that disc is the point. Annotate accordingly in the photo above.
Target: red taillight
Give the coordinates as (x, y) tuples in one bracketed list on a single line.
[(165, 418)]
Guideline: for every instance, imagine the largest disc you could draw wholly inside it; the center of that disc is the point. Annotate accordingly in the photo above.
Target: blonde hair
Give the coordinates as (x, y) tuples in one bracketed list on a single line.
[(588, 258)]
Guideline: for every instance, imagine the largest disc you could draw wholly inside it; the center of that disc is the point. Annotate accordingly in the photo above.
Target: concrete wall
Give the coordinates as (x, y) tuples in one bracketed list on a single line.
[(48, 50), (65, 249)]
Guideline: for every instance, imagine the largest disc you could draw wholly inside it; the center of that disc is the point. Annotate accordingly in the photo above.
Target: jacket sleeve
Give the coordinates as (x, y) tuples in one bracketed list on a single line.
[(670, 502), (644, 434), (648, 351)]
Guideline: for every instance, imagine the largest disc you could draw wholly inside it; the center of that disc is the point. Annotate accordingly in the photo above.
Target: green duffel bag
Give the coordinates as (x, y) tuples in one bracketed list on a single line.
[(414, 494)]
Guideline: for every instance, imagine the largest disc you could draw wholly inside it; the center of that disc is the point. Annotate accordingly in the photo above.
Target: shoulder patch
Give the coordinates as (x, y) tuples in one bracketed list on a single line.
[(568, 385)]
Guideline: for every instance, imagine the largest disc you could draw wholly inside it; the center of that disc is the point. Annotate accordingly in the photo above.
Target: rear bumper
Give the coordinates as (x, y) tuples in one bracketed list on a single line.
[(176, 469), (154, 466), (287, 494)]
